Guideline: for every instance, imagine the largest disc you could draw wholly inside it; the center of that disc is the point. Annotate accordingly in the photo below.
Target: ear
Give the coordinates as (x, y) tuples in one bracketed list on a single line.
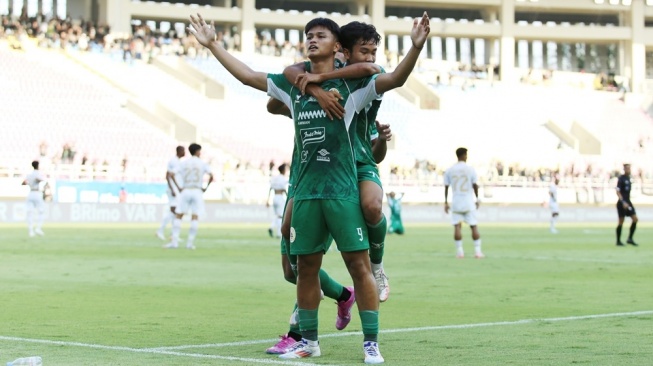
[(336, 47), (346, 53)]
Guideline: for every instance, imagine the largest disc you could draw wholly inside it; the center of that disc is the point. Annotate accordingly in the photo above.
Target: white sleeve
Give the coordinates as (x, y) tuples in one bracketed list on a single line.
[(447, 180), (277, 93), (473, 177)]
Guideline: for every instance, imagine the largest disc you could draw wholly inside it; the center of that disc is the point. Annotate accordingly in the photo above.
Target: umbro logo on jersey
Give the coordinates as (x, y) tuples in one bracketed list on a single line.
[(324, 155), (304, 115), (312, 135)]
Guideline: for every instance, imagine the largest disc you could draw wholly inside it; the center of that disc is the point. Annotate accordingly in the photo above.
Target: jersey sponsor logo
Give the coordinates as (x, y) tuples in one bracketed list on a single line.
[(304, 115), (304, 156), (323, 155), (312, 135), (300, 123)]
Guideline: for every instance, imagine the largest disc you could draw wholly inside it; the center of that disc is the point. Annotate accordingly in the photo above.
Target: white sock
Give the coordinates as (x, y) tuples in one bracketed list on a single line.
[(376, 267), (459, 246), (477, 246), (553, 222), (192, 233), (176, 228), (166, 220)]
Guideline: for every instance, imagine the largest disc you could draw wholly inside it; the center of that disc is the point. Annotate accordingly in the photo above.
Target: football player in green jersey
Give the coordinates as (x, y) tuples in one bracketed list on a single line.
[(326, 198), (360, 42)]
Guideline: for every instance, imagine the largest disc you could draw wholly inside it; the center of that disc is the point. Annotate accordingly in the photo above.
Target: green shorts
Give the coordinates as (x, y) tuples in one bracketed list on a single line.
[(368, 172), (315, 221)]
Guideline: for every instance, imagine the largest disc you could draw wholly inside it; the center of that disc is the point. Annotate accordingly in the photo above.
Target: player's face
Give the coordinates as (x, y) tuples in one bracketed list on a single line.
[(320, 42), (362, 52), (627, 169)]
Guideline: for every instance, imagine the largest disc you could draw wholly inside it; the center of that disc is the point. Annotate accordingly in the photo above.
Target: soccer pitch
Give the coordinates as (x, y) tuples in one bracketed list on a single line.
[(110, 295)]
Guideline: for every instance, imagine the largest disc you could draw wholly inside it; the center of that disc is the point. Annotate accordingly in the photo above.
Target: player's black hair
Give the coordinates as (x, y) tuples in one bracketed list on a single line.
[(327, 23), (282, 168), (193, 148), (460, 152), (358, 32), (180, 149), (35, 164)]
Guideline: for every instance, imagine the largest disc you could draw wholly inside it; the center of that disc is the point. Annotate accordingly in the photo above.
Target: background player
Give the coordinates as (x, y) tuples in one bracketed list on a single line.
[(192, 171), (394, 202), (172, 191), (625, 207), (553, 203), (278, 185), (35, 202), (464, 201)]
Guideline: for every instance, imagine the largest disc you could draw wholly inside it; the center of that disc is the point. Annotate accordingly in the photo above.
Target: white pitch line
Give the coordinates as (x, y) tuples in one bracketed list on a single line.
[(419, 329), (157, 351)]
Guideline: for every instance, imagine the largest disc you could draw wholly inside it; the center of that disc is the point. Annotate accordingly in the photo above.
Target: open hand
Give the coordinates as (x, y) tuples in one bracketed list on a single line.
[(330, 103), (204, 33), (421, 30)]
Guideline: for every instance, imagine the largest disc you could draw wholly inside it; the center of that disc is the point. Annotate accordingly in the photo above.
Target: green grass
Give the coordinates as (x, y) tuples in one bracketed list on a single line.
[(108, 295)]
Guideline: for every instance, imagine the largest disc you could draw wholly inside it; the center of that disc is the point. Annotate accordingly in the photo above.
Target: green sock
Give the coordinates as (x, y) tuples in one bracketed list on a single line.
[(370, 323), (376, 235), (331, 288), (294, 328), (308, 324)]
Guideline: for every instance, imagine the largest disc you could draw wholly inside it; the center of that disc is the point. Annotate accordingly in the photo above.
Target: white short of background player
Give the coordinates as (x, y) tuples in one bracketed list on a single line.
[(278, 187), (462, 179), (172, 191), (553, 203), (192, 171), (35, 203)]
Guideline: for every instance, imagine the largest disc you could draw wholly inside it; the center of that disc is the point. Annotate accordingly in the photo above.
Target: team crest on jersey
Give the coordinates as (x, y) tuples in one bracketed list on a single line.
[(292, 234), (312, 135), (304, 156), (323, 155)]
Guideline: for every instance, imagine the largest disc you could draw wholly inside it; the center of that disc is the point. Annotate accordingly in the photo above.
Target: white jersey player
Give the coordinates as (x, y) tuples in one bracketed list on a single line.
[(192, 171), (278, 185), (174, 182), (464, 202), (553, 203), (35, 202)]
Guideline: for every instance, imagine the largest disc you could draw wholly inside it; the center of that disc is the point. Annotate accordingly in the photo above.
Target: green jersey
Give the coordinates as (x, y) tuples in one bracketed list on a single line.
[(326, 148), (366, 131)]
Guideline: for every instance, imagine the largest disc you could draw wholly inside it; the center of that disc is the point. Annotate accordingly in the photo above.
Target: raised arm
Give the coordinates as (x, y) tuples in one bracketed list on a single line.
[(397, 78), (206, 36)]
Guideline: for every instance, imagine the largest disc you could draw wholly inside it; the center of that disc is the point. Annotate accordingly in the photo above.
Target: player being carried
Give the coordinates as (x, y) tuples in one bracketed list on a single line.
[(326, 197)]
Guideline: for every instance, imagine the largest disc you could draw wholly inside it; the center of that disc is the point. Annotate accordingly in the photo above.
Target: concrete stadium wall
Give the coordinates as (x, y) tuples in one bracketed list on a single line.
[(14, 211)]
